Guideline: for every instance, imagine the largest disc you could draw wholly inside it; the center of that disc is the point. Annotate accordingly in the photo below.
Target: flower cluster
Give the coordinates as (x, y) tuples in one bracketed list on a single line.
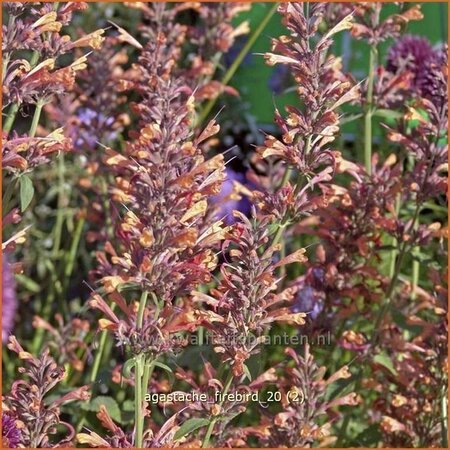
[(35, 72), (212, 34), (415, 56), (90, 113), (164, 181), (303, 401), (32, 418), (245, 303), (350, 226), (68, 339), (323, 88), (409, 410), (372, 27)]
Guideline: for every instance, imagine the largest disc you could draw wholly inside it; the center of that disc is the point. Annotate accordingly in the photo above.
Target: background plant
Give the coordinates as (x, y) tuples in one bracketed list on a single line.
[(130, 138)]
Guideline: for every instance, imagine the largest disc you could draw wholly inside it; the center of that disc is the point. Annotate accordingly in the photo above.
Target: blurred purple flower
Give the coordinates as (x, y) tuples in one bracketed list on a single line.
[(432, 83), (91, 127), (234, 51), (10, 432), (228, 200), (408, 52), (308, 300), (415, 54), (9, 299), (280, 79)]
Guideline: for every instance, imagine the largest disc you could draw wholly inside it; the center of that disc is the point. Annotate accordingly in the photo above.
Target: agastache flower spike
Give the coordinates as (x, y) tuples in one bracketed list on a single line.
[(245, 302), (322, 88), (28, 403), (163, 181), (302, 388)]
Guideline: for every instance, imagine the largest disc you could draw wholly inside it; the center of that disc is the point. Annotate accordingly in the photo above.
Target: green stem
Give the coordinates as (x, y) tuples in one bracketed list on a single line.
[(10, 118), (236, 63), (61, 203), (5, 65), (36, 117), (415, 268), (278, 234), (107, 207), (141, 310), (146, 374), (138, 413), (282, 256), (68, 269), (148, 370), (281, 226), (98, 356), (142, 375), (286, 177), (200, 335), (394, 243), (210, 429), (369, 111), (415, 279), (46, 309), (73, 252), (96, 366), (384, 308)]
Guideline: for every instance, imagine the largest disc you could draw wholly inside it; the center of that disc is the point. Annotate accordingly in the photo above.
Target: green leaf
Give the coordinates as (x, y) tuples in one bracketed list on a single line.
[(163, 366), (109, 403), (189, 426), (167, 369), (26, 192), (128, 407), (388, 114), (350, 118), (29, 284), (402, 322), (126, 369), (370, 437), (247, 372), (384, 360)]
